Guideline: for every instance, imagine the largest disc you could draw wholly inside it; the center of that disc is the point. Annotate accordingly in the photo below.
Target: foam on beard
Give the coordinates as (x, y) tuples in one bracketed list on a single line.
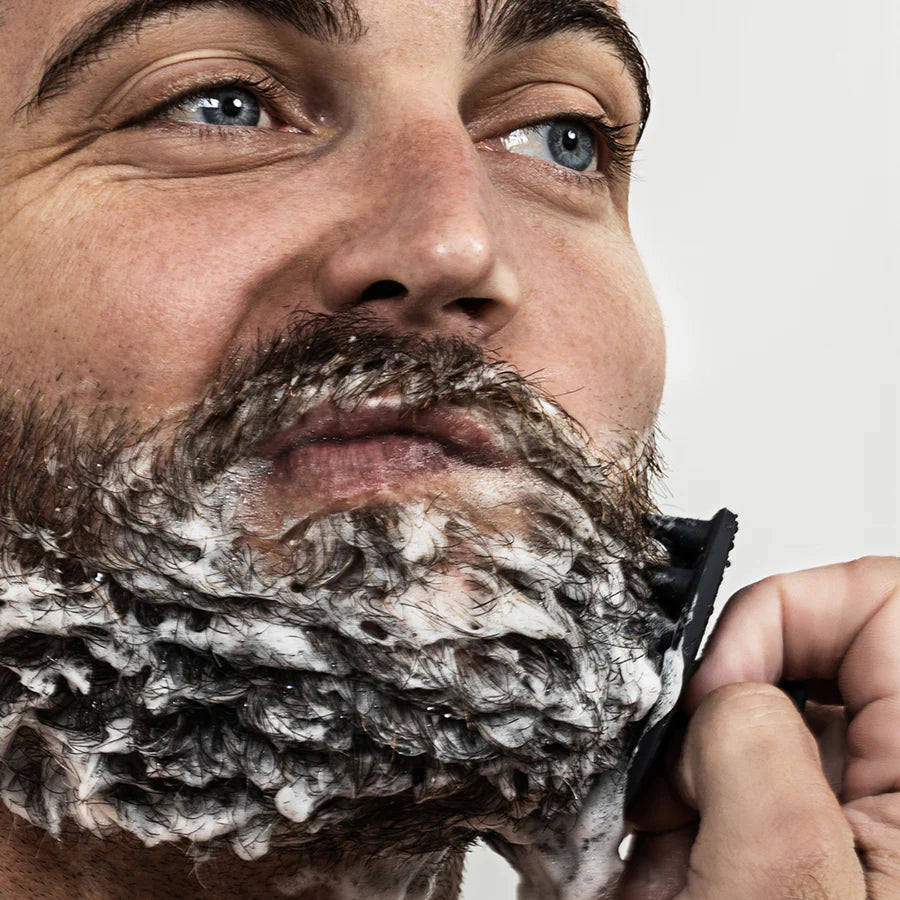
[(402, 675)]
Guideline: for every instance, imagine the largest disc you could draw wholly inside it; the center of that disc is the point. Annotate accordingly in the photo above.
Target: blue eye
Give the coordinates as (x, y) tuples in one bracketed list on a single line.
[(562, 141), (222, 106), (571, 145)]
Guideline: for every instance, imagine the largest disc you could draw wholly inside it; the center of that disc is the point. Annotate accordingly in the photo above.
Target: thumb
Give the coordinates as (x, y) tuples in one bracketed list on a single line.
[(770, 826)]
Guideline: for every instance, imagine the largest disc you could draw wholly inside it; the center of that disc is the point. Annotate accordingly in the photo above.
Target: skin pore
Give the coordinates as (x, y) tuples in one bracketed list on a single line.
[(399, 170)]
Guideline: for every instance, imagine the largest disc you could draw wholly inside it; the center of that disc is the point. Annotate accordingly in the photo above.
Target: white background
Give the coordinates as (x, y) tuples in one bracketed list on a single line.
[(766, 208)]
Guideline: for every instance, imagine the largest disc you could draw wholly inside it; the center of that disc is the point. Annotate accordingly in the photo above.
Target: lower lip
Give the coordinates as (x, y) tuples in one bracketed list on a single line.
[(332, 473)]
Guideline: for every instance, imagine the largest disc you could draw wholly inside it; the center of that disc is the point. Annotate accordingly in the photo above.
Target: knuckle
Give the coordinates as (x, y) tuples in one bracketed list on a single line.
[(748, 708), (878, 563), (812, 875), (770, 585), (797, 884), (876, 578), (807, 886), (880, 573), (884, 569), (822, 863), (750, 728)]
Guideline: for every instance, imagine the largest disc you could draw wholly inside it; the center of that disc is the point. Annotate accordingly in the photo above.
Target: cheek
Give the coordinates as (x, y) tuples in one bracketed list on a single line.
[(136, 296), (590, 326)]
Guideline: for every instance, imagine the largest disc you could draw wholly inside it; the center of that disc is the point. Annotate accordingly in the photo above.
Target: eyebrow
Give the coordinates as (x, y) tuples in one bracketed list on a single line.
[(501, 25), (512, 23), (329, 21)]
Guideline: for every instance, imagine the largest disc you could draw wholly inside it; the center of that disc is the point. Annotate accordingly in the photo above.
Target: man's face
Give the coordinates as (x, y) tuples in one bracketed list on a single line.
[(137, 257), (234, 246)]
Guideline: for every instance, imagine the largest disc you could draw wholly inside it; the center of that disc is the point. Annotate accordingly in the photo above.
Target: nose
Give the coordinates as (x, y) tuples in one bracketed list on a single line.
[(423, 249)]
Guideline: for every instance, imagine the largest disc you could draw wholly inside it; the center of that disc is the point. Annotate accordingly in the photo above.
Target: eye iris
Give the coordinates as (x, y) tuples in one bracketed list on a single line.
[(230, 107), (571, 145)]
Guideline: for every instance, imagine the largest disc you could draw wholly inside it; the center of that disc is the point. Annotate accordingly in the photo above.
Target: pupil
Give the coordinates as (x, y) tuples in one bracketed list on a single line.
[(232, 106), (570, 141)]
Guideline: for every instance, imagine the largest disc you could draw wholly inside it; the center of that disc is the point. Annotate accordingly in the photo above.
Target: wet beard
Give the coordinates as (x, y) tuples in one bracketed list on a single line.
[(401, 676)]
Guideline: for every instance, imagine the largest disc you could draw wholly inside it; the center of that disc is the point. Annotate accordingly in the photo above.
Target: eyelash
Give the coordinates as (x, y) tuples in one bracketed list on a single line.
[(615, 150), (266, 87), (611, 142)]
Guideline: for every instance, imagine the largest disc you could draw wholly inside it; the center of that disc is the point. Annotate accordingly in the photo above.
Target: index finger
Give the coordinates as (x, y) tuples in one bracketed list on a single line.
[(838, 622)]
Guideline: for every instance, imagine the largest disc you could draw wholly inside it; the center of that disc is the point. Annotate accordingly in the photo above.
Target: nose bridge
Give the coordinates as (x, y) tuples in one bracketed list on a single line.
[(442, 207), (423, 225)]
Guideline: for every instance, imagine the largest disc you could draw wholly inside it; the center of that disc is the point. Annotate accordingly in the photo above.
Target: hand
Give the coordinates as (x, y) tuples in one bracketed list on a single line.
[(756, 808)]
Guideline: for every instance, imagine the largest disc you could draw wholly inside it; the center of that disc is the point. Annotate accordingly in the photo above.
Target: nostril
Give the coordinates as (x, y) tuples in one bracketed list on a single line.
[(473, 307), (383, 290)]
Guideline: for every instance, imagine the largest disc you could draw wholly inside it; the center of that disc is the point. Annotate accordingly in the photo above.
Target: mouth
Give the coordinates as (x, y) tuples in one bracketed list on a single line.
[(336, 459)]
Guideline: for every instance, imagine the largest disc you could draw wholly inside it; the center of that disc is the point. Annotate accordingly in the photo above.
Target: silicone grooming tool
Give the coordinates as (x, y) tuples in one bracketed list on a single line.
[(686, 589)]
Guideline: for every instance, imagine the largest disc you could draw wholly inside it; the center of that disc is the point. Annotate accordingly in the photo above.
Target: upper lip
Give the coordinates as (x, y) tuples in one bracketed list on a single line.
[(462, 432)]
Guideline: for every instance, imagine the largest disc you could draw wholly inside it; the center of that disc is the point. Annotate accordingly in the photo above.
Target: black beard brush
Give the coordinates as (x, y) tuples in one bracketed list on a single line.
[(686, 589)]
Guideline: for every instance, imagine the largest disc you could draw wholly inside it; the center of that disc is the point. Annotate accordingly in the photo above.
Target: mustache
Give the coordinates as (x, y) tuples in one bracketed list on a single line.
[(349, 359)]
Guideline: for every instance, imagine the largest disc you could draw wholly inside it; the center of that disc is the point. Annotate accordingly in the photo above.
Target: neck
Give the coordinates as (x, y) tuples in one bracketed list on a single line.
[(82, 867)]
